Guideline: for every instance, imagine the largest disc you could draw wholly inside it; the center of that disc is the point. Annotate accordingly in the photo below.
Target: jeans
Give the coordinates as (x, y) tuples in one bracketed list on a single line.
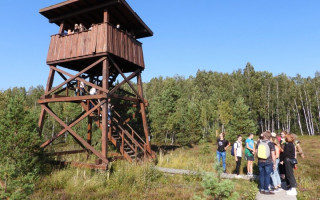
[(265, 169), (275, 175), (222, 155), (238, 164)]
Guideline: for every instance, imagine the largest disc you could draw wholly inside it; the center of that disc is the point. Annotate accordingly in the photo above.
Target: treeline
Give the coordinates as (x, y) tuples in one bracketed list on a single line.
[(187, 110), (181, 111)]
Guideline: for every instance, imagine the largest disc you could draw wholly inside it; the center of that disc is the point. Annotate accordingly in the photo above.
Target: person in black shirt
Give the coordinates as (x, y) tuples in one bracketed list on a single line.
[(222, 144), (288, 154)]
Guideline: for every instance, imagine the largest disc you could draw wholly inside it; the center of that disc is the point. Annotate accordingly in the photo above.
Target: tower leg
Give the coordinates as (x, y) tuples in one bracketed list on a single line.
[(143, 113), (43, 112), (105, 85), (89, 135)]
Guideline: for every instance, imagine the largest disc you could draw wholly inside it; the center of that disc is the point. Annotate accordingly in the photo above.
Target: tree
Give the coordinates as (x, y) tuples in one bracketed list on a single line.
[(241, 122), (225, 113), (20, 153)]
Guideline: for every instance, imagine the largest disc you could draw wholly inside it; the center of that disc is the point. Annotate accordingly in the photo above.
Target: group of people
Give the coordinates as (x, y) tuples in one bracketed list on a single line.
[(276, 159), (77, 29)]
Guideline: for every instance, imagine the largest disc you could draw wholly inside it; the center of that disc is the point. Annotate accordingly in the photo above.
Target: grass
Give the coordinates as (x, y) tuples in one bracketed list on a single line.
[(141, 181), (308, 172), (122, 181)]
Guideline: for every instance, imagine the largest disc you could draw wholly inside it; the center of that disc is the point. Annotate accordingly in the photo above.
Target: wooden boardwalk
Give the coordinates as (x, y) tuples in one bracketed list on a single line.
[(189, 172), (281, 195)]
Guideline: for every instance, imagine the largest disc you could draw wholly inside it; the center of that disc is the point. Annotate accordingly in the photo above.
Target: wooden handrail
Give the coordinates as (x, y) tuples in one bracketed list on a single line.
[(128, 134), (102, 39), (135, 133)]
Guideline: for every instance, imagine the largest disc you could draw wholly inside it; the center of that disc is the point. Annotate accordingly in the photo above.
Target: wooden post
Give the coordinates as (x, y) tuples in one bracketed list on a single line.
[(106, 16), (122, 142), (143, 113), (89, 135), (61, 27), (105, 78), (43, 112)]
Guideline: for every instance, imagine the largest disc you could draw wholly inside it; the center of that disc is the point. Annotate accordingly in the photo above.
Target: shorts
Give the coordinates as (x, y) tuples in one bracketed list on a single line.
[(250, 158)]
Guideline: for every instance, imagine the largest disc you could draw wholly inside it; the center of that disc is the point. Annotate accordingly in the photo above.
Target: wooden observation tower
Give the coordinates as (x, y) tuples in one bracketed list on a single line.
[(96, 56)]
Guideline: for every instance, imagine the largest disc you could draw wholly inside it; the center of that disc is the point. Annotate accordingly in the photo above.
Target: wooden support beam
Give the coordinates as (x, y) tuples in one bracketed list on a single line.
[(124, 98), (55, 98), (82, 80), (79, 139), (124, 81), (61, 153), (125, 78), (61, 27), (75, 122), (43, 112), (89, 133), (75, 76), (104, 137), (82, 165), (106, 16), (143, 114), (62, 76)]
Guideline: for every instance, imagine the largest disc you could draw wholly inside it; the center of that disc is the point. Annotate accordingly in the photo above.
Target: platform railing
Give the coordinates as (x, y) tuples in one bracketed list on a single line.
[(101, 39)]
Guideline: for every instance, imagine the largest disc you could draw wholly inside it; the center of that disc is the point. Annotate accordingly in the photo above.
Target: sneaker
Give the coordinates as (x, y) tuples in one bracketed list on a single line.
[(279, 189), (292, 192), (268, 193), (276, 190), (238, 176)]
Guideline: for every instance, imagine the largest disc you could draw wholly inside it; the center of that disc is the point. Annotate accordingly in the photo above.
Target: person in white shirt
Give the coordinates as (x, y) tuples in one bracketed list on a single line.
[(93, 91), (82, 88), (237, 146)]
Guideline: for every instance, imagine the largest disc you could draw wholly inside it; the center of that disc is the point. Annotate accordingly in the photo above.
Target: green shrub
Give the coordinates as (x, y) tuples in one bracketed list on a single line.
[(218, 188), (21, 159)]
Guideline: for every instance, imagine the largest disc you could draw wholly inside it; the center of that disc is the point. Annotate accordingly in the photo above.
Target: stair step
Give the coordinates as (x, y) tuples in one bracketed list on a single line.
[(130, 152)]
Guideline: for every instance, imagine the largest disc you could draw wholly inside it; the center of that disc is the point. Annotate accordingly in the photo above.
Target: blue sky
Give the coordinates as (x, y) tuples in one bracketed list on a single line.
[(218, 35)]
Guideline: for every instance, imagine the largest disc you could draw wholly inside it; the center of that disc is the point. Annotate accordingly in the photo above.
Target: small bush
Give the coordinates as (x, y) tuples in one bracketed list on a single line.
[(217, 188)]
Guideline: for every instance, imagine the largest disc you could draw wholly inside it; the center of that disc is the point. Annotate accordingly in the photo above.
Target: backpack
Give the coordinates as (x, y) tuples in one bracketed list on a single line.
[(263, 150), (232, 148)]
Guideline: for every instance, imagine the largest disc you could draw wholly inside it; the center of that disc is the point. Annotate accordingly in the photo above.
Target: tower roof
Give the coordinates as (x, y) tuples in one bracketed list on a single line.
[(90, 12)]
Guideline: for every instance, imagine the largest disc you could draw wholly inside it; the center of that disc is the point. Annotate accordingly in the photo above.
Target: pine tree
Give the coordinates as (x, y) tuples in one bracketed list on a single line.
[(20, 154), (241, 122)]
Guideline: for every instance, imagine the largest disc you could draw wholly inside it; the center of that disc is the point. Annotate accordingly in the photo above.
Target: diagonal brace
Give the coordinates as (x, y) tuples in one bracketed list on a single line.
[(80, 140), (81, 79), (124, 81), (80, 118), (75, 76), (125, 78)]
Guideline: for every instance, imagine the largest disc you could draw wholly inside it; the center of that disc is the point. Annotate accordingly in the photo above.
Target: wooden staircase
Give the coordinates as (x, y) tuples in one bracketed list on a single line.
[(127, 141)]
